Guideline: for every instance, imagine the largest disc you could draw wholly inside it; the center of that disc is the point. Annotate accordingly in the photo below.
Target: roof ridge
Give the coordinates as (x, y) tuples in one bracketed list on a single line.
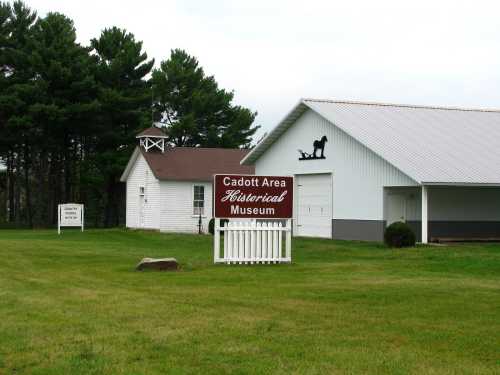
[(194, 164), (208, 148), (151, 131), (382, 104)]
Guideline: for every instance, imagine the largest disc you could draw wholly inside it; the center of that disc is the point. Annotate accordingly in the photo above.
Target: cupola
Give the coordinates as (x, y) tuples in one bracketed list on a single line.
[(152, 138)]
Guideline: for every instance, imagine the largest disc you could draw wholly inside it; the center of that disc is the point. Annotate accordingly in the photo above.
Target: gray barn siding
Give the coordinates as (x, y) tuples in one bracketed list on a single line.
[(454, 211)]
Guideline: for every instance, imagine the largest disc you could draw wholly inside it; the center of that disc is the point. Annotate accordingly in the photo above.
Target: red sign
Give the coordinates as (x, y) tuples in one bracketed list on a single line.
[(248, 196)]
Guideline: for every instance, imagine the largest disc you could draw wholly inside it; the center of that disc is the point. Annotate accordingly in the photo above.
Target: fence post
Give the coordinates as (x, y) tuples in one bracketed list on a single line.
[(270, 243), (289, 240), (225, 241), (216, 240), (258, 242), (264, 242), (241, 243), (247, 242), (236, 243), (275, 241), (229, 239), (280, 241), (252, 242)]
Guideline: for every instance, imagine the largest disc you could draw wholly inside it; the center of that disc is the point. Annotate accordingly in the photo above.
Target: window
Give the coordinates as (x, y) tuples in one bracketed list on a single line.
[(141, 191), (198, 200)]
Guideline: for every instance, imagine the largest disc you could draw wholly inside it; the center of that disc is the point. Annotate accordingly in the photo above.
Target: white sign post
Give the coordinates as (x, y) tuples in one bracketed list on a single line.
[(70, 215)]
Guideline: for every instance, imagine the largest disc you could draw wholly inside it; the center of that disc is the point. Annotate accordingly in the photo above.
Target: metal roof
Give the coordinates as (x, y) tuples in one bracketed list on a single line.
[(432, 145)]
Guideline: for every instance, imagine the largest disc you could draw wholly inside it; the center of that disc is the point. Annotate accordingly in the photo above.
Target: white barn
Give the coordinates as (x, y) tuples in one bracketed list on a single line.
[(438, 169), (168, 189)]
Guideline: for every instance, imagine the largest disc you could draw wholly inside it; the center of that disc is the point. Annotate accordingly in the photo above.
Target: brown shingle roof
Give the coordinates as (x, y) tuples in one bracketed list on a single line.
[(152, 132), (196, 164)]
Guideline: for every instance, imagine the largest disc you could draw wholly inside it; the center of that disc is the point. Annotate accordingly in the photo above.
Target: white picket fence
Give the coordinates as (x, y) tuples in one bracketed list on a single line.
[(253, 242)]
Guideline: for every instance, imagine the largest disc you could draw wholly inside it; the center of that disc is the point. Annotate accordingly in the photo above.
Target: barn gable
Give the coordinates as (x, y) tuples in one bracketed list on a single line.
[(346, 186), (432, 145)]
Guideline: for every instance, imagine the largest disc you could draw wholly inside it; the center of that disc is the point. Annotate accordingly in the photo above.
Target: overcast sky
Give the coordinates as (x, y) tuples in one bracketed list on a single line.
[(272, 53)]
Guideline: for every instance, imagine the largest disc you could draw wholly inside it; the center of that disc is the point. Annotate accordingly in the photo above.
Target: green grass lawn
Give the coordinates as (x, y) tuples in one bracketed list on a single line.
[(74, 305)]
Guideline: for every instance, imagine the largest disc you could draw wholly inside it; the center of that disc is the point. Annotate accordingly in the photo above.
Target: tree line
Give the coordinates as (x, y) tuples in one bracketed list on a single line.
[(69, 114)]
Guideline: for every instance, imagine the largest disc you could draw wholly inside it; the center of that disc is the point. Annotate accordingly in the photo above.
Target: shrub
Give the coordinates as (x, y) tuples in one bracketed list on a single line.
[(399, 234), (211, 224)]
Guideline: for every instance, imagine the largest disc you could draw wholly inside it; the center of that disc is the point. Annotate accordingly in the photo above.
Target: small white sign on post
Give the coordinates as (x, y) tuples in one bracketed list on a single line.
[(70, 215)]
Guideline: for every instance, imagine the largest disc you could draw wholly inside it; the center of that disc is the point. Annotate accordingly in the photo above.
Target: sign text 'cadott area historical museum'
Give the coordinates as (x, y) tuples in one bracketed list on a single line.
[(257, 197)]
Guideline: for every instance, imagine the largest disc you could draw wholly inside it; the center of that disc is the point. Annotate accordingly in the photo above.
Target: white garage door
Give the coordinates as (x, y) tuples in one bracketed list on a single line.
[(314, 205)]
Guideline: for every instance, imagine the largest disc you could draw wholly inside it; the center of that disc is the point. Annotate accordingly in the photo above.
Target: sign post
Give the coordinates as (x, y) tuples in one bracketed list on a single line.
[(70, 215), (268, 202)]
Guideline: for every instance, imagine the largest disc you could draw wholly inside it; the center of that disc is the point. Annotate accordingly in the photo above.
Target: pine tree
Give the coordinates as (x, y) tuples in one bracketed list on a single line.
[(195, 110), (19, 89), (125, 100), (69, 114), (64, 111), (5, 44), (5, 157)]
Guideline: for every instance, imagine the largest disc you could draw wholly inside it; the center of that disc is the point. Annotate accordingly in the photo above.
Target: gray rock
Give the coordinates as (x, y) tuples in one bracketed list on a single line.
[(161, 264)]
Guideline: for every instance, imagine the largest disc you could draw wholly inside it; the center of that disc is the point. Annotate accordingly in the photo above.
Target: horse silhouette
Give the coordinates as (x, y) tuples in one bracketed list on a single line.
[(320, 145)]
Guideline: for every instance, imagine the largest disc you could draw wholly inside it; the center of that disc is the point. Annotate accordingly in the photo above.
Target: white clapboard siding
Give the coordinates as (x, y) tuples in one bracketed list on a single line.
[(253, 242), (177, 207), (141, 175), (359, 174)]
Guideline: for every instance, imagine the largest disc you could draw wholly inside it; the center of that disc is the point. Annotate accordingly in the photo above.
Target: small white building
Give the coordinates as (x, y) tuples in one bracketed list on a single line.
[(361, 166), (168, 189)]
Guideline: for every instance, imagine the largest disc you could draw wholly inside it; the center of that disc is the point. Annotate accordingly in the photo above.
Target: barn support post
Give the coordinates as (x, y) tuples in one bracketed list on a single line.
[(425, 217)]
